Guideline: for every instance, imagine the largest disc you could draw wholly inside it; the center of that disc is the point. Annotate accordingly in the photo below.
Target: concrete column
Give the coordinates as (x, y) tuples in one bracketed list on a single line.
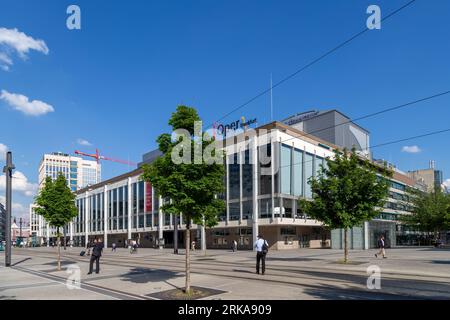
[(272, 173), (105, 216), (48, 235), (145, 205), (203, 236), (86, 216), (366, 235), (130, 207), (160, 224), (71, 233), (254, 161), (153, 207), (241, 159), (227, 190)]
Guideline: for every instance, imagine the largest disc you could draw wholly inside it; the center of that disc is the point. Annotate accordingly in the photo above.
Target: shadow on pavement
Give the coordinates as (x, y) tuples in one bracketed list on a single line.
[(336, 293), (441, 261), (145, 275), (18, 262)]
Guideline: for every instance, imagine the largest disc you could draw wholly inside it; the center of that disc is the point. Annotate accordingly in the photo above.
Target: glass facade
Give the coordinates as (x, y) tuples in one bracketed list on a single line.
[(309, 164), (234, 177), (247, 176), (285, 168)]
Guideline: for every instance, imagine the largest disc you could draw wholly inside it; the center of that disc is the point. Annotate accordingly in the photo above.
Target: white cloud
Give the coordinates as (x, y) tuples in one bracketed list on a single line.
[(411, 149), (447, 184), (84, 142), (20, 183), (3, 150), (12, 40), (5, 61), (23, 104), (18, 210)]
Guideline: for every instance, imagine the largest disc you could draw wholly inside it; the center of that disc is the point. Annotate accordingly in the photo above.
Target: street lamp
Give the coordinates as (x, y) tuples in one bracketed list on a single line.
[(8, 173)]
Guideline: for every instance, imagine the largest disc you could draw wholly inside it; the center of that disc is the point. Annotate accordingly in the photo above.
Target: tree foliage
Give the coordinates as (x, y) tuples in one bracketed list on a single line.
[(56, 203), (347, 191), (191, 187), (430, 211)]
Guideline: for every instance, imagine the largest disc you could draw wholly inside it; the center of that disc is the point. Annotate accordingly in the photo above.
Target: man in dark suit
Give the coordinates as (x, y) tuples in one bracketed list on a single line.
[(381, 246), (95, 256)]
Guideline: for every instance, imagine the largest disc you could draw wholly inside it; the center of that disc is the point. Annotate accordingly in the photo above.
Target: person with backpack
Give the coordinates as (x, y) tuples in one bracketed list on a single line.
[(262, 247)]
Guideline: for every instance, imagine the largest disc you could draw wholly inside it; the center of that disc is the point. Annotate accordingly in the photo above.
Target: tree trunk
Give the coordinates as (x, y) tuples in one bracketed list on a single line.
[(345, 246), (188, 261), (175, 236), (58, 237)]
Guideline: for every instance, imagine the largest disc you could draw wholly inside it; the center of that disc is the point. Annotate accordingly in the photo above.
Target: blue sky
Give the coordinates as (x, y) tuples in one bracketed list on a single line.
[(115, 82)]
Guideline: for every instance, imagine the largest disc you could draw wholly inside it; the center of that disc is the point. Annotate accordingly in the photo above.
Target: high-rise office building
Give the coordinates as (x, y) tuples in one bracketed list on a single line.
[(431, 177), (79, 173)]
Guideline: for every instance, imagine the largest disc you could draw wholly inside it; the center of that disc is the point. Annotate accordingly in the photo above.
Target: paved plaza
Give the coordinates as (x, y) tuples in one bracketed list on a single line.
[(407, 273)]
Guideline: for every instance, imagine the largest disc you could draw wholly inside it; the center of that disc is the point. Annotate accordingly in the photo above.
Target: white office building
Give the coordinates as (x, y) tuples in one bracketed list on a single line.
[(79, 173)]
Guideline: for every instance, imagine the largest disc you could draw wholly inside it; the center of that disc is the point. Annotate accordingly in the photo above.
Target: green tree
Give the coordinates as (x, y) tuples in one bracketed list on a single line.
[(191, 185), (430, 211), (347, 192), (56, 204)]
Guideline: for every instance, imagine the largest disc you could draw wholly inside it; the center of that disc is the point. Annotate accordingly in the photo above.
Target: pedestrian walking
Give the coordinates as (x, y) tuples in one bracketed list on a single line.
[(96, 254), (262, 247), (113, 246), (381, 246), (234, 246), (193, 246), (88, 248)]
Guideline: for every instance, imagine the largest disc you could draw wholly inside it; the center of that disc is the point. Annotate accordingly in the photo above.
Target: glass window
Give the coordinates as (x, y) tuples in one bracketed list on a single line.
[(265, 208), (134, 197), (235, 211), (234, 176), (308, 174), (247, 176), (114, 193), (298, 173), (141, 196), (285, 167), (318, 165), (264, 170), (247, 210)]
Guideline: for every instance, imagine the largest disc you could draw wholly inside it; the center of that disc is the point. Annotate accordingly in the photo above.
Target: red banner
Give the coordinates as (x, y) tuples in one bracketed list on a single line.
[(148, 197)]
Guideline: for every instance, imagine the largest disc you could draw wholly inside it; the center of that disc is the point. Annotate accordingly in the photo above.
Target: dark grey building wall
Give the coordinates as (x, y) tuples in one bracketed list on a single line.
[(316, 126), (2, 222)]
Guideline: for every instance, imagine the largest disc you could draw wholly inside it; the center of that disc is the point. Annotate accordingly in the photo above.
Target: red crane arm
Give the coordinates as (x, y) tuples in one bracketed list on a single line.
[(87, 154), (98, 157), (118, 160)]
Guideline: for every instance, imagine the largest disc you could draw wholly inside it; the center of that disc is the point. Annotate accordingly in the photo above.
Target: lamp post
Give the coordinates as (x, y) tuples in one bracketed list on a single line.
[(8, 173)]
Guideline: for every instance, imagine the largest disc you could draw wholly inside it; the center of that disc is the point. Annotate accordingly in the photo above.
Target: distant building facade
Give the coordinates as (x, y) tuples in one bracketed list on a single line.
[(79, 174), (2, 223), (431, 177)]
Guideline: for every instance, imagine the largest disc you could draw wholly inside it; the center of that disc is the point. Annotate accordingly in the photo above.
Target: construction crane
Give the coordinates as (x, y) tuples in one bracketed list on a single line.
[(99, 157)]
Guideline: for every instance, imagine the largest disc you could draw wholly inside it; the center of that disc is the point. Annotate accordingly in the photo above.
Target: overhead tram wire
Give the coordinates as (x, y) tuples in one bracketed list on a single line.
[(312, 62)]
